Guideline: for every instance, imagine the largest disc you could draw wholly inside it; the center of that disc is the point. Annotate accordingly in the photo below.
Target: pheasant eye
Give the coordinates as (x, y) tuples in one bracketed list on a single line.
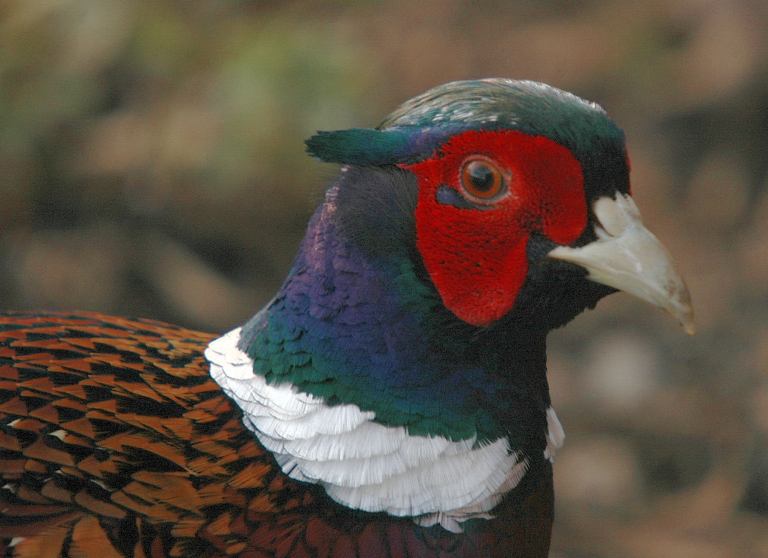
[(481, 179)]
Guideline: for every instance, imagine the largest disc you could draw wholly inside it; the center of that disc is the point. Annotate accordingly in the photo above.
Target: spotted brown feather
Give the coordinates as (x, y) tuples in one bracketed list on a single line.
[(111, 427)]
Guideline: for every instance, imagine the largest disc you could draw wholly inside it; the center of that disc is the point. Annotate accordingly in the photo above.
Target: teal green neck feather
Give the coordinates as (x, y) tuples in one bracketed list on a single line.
[(352, 325)]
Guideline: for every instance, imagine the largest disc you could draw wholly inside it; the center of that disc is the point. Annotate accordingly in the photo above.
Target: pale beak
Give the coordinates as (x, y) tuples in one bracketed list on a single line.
[(628, 257)]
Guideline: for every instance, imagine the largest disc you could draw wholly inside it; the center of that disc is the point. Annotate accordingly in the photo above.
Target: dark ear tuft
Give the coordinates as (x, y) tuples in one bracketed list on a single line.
[(360, 146)]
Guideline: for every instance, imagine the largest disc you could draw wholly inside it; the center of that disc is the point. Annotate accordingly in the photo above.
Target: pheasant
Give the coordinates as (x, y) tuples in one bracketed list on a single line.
[(391, 400)]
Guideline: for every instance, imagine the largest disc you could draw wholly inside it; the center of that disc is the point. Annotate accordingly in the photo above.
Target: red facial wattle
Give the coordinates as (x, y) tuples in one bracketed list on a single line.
[(476, 256)]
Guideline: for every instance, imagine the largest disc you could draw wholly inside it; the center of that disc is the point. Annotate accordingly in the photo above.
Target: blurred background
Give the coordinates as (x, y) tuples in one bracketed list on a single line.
[(151, 164)]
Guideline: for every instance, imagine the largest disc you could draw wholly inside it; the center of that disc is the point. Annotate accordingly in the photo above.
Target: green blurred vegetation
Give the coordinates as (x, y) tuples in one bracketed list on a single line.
[(152, 164)]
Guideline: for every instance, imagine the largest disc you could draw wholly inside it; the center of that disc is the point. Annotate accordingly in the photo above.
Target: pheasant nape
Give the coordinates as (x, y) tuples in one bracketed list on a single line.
[(391, 400)]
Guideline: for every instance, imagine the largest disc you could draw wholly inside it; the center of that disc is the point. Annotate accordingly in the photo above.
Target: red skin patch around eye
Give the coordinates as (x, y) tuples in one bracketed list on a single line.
[(477, 257)]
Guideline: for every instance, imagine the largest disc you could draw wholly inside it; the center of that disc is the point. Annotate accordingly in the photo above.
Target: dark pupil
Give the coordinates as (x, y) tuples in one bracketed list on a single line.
[(481, 177)]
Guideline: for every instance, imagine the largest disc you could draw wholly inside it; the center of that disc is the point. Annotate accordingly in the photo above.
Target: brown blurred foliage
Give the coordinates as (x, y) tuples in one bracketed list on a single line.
[(152, 164)]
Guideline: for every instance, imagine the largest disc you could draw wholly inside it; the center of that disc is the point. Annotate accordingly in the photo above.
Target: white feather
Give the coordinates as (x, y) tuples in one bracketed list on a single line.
[(365, 465), (326, 420), (367, 440), (444, 484), (555, 435)]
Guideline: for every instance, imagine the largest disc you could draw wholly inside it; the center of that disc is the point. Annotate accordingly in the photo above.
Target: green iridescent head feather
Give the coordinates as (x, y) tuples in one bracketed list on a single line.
[(415, 129)]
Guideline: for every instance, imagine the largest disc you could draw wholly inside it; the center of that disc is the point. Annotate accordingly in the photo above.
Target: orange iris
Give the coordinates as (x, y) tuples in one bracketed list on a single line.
[(481, 179)]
